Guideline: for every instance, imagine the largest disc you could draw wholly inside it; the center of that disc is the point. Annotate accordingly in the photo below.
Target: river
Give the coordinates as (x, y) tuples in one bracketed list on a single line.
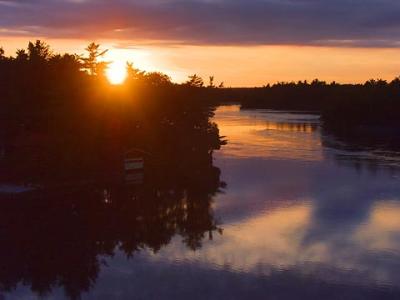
[(299, 217)]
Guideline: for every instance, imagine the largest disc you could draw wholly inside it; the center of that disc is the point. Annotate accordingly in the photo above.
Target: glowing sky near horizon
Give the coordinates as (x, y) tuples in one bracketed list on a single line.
[(243, 43)]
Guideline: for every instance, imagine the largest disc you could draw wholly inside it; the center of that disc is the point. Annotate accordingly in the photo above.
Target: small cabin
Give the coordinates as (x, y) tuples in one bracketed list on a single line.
[(134, 159), (134, 166), (135, 163)]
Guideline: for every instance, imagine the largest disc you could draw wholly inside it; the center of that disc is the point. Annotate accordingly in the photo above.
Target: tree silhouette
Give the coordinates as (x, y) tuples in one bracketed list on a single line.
[(157, 79), (195, 81), (22, 55), (134, 73), (39, 51), (91, 63), (211, 82)]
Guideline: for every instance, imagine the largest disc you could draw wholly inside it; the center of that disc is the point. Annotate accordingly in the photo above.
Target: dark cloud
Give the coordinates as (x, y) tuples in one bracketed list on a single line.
[(365, 23)]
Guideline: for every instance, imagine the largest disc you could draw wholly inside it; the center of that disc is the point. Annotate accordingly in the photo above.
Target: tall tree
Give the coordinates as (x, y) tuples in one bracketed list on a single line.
[(91, 63), (21, 55), (211, 82), (39, 51)]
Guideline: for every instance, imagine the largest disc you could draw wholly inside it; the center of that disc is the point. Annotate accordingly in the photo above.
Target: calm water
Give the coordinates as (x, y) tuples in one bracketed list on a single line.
[(301, 217)]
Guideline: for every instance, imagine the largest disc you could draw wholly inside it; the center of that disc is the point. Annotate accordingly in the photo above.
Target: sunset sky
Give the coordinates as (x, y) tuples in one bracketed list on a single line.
[(241, 42)]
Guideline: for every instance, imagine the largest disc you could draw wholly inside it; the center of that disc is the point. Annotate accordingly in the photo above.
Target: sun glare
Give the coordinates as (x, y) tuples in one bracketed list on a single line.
[(116, 73)]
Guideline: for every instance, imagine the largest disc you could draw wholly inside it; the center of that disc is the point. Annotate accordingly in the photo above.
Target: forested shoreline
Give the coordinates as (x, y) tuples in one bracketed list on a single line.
[(61, 121), (65, 99), (374, 103), (37, 81)]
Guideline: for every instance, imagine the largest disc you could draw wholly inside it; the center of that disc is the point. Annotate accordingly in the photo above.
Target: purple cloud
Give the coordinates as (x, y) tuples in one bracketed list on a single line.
[(364, 23)]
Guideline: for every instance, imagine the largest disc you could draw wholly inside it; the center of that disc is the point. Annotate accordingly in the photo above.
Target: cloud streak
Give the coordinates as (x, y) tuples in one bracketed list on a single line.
[(362, 23)]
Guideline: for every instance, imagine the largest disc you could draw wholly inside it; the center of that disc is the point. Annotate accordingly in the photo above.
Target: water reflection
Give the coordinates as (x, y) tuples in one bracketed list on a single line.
[(307, 214), (269, 135), (58, 238), (363, 148), (293, 222)]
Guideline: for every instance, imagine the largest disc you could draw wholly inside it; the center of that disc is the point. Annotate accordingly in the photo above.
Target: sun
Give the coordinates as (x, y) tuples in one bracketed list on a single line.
[(116, 73)]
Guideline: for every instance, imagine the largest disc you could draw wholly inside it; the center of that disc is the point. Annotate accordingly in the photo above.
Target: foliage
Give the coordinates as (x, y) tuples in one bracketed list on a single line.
[(195, 81), (91, 63), (374, 103)]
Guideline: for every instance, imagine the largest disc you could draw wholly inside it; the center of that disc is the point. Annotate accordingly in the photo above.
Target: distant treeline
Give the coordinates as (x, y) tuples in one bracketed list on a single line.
[(374, 103)]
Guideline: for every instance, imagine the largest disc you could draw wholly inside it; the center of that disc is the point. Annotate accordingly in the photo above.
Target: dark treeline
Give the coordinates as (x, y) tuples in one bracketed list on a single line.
[(61, 109), (37, 84), (375, 103)]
